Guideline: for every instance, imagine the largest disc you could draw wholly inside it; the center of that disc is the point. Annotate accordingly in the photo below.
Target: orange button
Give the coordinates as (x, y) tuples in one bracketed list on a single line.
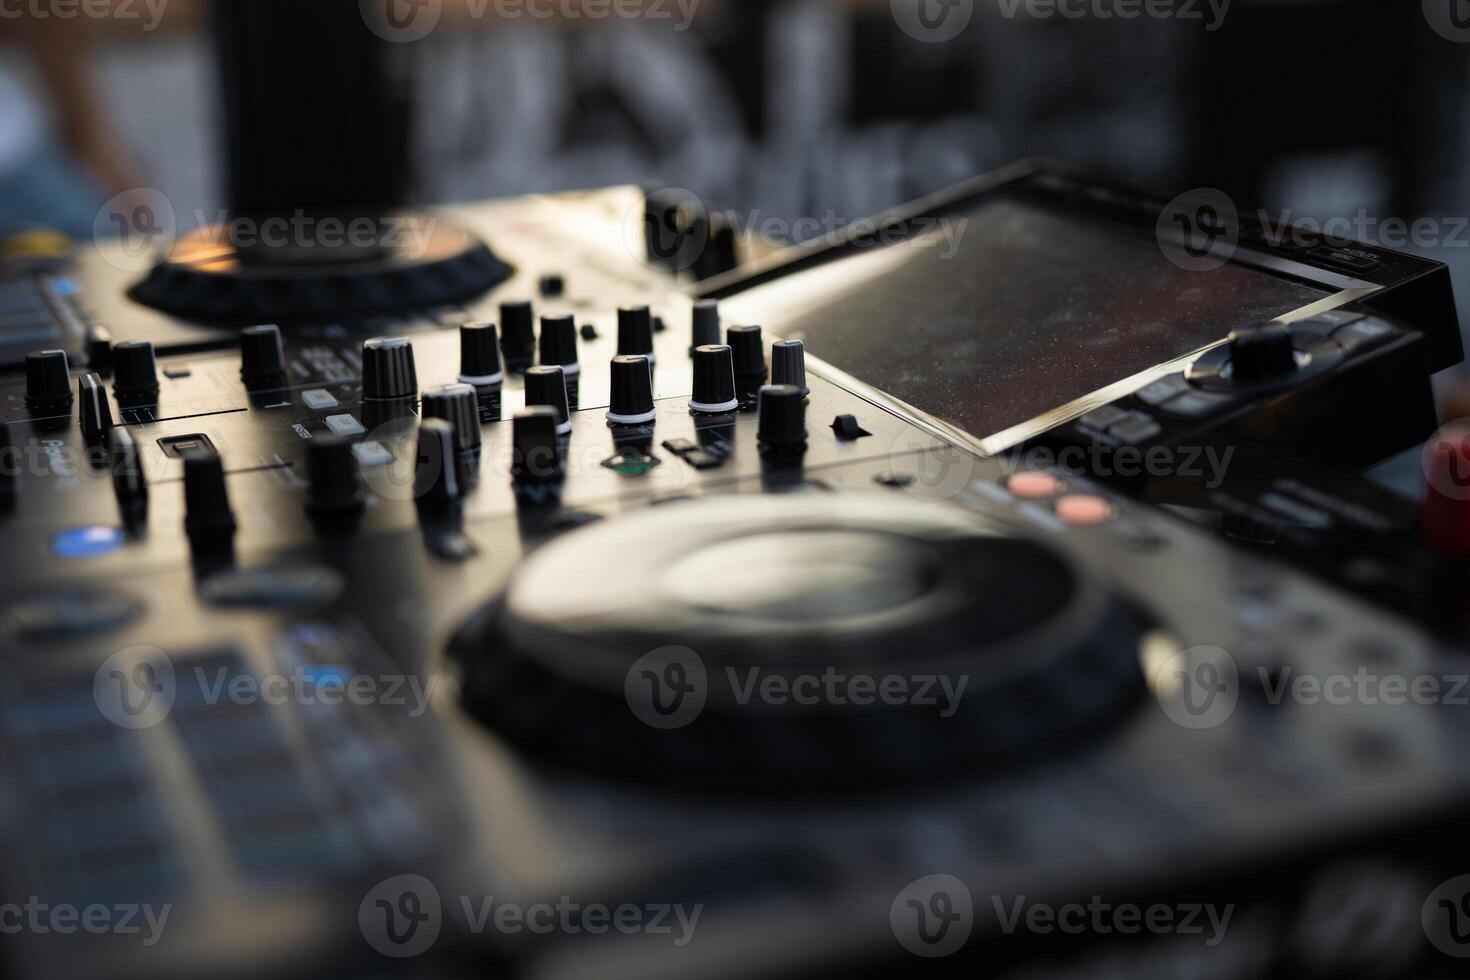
[(1085, 510), (1034, 485)]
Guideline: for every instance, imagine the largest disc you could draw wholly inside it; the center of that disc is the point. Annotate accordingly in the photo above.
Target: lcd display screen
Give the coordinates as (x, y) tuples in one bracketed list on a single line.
[(992, 319)]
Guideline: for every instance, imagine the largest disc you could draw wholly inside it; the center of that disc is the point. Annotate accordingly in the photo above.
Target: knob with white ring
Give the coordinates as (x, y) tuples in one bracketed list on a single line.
[(714, 381), (632, 391)]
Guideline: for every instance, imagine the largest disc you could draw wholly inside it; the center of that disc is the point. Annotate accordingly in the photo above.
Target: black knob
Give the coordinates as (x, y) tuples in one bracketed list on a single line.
[(635, 331), (559, 344), (437, 478), (632, 391), (262, 357), (388, 370), (714, 380), (208, 520), (335, 486), (536, 448), (129, 483), (99, 347), (1261, 352), (94, 410), (459, 405), (750, 352), (479, 355), (134, 372), (518, 334), (788, 365), (48, 379), (706, 329), (782, 424), (548, 386)]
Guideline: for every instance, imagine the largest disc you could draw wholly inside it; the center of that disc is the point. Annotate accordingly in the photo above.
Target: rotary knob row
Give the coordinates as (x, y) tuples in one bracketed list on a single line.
[(135, 377)]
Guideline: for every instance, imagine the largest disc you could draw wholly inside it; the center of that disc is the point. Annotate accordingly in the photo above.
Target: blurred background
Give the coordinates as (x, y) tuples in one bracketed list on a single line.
[(788, 109)]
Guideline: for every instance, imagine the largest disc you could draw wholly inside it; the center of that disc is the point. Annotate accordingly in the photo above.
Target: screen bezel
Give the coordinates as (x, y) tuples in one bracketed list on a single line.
[(1066, 190)]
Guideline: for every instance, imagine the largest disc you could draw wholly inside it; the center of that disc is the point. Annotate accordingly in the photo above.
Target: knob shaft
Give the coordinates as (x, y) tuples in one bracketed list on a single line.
[(479, 355), (518, 334), (782, 425), (262, 358), (635, 332), (94, 410), (788, 365), (1262, 352), (750, 353), (632, 391), (706, 327), (208, 519), (129, 482), (459, 405), (135, 372), (335, 487), (714, 380), (548, 386), (48, 379), (437, 480), (388, 369), (536, 459), (559, 344)]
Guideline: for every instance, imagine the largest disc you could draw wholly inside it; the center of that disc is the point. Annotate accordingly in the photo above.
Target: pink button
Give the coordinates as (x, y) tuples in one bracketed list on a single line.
[(1034, 485), (1085, 510)]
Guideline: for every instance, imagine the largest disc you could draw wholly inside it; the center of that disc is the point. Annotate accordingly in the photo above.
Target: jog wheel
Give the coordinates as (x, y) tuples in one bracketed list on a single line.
[(414, 262), (798, 641)]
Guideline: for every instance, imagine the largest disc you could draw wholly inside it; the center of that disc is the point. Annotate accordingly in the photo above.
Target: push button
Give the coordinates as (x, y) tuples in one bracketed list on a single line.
[(1196, 404), (1162, 390), (1085, 510), (344, 425), (1364, 334), (1135, 429), (318, 399), (1034, 485), (1101, 419)]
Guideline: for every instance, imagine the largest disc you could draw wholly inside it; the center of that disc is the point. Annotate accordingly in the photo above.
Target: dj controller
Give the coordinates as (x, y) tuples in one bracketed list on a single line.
[(835, 612)]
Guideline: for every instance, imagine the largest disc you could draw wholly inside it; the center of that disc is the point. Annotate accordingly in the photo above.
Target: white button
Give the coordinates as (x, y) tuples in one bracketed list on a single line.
[(372, 453), (344, 425), (318, 399)]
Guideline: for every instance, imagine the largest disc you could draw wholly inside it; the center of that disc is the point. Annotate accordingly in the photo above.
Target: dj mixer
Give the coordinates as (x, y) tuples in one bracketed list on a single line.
[(823, 615)]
